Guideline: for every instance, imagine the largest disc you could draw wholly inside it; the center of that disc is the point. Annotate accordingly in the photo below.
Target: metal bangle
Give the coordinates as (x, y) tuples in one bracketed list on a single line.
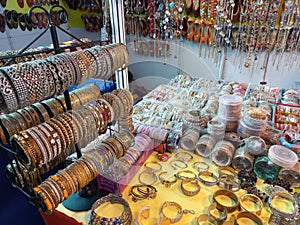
[(201, 166), (229, 194), (207, 174), (177, 164), (149, 173), (250, 216), (254, 199), (188, 192), (165, 182), (222, 215)]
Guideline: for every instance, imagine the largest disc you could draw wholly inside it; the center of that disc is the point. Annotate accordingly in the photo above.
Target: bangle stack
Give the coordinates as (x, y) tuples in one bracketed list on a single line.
[(205, 145), (27, 83), (30, 116), (222, 153), (189, 139), (40, 144), (141, 192), (77, 175)]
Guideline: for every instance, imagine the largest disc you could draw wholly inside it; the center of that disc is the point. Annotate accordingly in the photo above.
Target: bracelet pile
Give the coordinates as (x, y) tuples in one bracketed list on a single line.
[(27, 83), (77, 175)]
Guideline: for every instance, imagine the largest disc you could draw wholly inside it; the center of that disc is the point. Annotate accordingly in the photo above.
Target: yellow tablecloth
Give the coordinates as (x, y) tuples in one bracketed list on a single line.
[(199, 203)]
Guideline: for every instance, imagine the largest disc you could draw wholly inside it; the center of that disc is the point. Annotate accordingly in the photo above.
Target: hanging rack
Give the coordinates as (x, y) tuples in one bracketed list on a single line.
[(27, 189)]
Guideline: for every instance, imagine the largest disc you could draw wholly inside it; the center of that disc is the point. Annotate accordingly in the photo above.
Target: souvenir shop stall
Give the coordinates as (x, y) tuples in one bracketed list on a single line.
[(192, 151)]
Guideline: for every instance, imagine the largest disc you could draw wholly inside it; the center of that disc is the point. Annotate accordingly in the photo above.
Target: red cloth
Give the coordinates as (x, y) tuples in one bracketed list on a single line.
[(58, 218)]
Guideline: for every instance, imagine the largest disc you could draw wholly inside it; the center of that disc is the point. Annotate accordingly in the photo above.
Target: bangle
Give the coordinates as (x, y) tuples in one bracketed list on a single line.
[(152, 169), (227, 171), (186, 175), (171, 204), (255, 206), (228, 182), (254, 218), (205, 219), (125, 218), (221, 216), (149, 173), (212, 179), (201, 166), (168, 182), (140, 192), (285, 197), (190, 182), (178, 164), (229, 194), (184, 156)]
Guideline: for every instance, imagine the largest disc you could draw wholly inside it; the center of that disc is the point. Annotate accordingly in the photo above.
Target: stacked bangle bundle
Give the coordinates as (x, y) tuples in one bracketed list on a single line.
[(156, 133), (216, 129), (119, 143), (26, 83), (205, 145), (42, 143), (20, 175), (122, 101), (124, 219), (222, 153), (211, 106), (37, 113), (189, 139), (141, 192), (77, 175), (242, 159), (194, 118), (142, 142)]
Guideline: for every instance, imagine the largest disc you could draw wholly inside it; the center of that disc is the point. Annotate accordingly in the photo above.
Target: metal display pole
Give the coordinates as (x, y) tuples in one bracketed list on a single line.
[(118, 36)]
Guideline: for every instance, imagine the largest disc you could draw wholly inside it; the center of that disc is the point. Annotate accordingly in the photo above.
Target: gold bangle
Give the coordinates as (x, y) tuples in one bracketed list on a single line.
[(231, 195), (221, 216), (179, 211), (227, 171), (254, 200), (250, 216), (228, 182), (205, 219), (33, 147), (188, 192), (140, 192), (212, 181)]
